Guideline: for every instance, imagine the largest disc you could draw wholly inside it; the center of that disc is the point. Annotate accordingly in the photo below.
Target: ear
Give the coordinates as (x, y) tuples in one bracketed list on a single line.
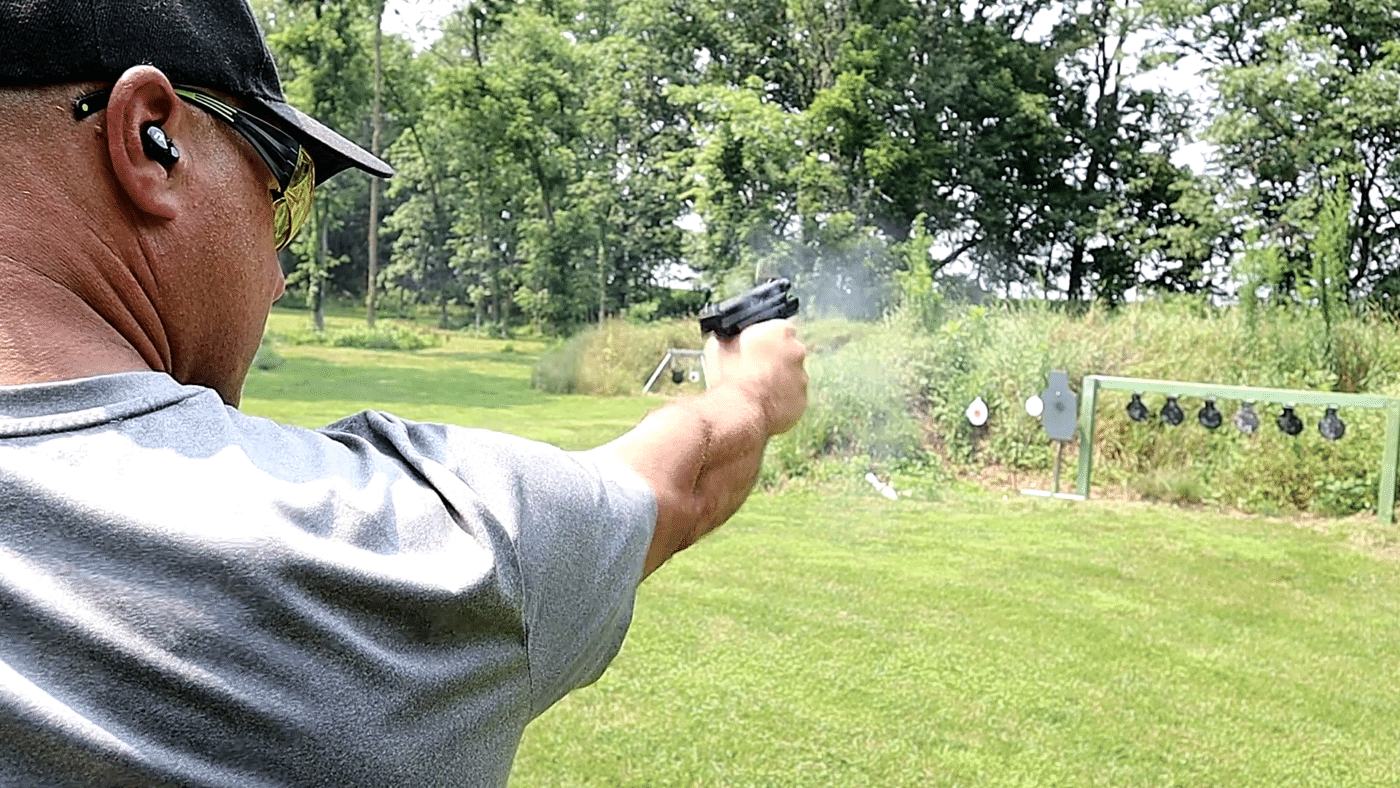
[(143, 97)]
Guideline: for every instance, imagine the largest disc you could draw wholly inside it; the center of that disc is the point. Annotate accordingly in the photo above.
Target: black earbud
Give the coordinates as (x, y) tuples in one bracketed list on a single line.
[(160, 148)]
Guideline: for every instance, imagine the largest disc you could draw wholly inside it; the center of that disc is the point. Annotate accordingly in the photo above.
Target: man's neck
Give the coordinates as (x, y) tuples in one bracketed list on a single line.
[(49, 332)]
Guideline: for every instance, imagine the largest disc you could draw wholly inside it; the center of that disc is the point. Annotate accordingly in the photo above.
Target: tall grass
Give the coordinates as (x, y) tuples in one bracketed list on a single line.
[(384, 336), (616, 359), (1003, 355), (892, 394)]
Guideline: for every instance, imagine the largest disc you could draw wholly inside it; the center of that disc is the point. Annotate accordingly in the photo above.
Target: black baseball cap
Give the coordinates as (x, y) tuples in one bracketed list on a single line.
[(200, 43)]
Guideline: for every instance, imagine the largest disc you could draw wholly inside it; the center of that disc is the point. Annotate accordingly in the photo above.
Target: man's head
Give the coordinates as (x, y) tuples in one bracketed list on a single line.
[(155, 135), (212, 44)]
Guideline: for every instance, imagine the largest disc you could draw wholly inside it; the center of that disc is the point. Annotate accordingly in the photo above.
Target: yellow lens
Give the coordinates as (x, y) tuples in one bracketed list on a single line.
[(290, 211)]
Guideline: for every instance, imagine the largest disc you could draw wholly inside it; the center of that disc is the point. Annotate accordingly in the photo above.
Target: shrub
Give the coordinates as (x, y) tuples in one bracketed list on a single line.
[(383, 336), (1005, 353), (858, 407), (1172, 485), (617, 358), (892, 394), (267, 356)]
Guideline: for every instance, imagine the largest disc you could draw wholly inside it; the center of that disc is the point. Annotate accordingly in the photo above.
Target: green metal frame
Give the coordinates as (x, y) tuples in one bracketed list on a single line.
[(1385, 502)]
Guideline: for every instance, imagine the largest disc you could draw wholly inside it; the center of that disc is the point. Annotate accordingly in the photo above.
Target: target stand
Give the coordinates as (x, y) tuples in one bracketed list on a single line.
[(1289, 423), (1058, 409), (673, 355)]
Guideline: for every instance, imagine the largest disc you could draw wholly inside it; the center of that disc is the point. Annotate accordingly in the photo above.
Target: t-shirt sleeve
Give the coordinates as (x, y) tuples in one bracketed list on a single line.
[(569, 533)]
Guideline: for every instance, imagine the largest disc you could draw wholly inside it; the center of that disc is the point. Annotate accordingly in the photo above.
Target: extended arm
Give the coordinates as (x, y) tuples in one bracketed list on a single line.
[(701, 455)]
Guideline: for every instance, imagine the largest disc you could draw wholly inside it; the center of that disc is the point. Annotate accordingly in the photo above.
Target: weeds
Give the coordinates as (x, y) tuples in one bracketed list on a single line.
[(267, 356), (617, 358), (892, 394), (385, 336)]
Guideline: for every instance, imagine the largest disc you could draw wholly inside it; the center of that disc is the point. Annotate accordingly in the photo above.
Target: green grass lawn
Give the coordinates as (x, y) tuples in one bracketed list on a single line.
[(834, 638), (824, 640), (467, 381)]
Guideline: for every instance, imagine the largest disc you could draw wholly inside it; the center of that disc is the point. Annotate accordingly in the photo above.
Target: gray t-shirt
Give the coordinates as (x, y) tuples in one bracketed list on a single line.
[(193, 596)]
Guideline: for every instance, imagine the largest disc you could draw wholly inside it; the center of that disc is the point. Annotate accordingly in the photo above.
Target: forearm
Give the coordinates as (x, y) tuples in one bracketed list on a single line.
[(701, 456)]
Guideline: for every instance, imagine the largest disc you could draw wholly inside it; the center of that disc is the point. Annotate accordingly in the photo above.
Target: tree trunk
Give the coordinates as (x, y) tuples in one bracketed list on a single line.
[(543, 181), (1077, 262), (497, 313), (602, 279), (320, 276), (1075, 292), (376, 124)]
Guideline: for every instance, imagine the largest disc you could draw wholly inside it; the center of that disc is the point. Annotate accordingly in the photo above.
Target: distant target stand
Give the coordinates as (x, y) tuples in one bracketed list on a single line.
[(685, 365), (1058, 397), (1057, 408)]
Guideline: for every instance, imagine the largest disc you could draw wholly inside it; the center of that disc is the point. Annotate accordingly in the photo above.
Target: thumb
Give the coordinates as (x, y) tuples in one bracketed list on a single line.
[(716, 351)]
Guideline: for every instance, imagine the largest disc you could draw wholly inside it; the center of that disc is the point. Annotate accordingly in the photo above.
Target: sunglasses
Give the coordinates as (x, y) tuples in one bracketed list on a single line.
[(288, 160)]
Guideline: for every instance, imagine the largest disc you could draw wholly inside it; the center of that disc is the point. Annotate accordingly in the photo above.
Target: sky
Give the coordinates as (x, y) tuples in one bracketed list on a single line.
[(416, 19)]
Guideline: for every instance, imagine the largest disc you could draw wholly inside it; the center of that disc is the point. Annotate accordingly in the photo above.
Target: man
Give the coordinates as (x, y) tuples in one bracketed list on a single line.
[(191, 596)]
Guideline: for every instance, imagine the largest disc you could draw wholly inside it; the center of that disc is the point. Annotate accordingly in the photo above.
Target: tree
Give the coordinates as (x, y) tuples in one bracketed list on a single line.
[(376, 126), (1120, 186), (320, 50), (1306, 102)]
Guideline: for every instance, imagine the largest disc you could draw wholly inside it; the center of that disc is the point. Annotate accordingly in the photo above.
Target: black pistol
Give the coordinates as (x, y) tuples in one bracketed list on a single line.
[(771, 300)]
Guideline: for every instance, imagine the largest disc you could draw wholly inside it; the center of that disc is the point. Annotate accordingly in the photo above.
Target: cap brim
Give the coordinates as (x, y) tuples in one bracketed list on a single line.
[(330, 151)]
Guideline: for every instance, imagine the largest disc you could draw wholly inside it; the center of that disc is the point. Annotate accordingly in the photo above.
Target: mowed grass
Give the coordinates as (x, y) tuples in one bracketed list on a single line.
[(829, 640), (832, 638), (467, 381)]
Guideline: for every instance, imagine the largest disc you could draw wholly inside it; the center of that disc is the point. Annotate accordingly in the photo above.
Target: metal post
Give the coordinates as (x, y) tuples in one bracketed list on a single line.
[(1390, 460), (667, 360), (1088, 393), (1385, 501)]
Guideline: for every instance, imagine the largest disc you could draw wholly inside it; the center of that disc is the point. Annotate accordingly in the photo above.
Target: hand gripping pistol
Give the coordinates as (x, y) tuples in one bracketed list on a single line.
[(771, 300)]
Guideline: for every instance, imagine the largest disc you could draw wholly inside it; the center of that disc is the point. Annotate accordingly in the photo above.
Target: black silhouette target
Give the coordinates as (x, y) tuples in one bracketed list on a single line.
[(1246, 418), (1208, 416), (1136, 410), (1332, 427), (1289, 422), (1172, 413)]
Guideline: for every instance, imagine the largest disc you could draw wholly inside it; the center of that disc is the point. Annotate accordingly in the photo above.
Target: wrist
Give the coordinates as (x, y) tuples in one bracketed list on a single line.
[(745, 401)]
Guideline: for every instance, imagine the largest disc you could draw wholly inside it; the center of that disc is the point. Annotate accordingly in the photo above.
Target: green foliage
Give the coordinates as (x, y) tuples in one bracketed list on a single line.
[(919, 298), (858, 410), (826, 638), (1189, 342), (549, 156), (1172, 485), (1304, 114), (901, 391), (1340, 497), (892, 395), (267, 357), (324, 55), (384, 336), (558, 162), (1331, 250)]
